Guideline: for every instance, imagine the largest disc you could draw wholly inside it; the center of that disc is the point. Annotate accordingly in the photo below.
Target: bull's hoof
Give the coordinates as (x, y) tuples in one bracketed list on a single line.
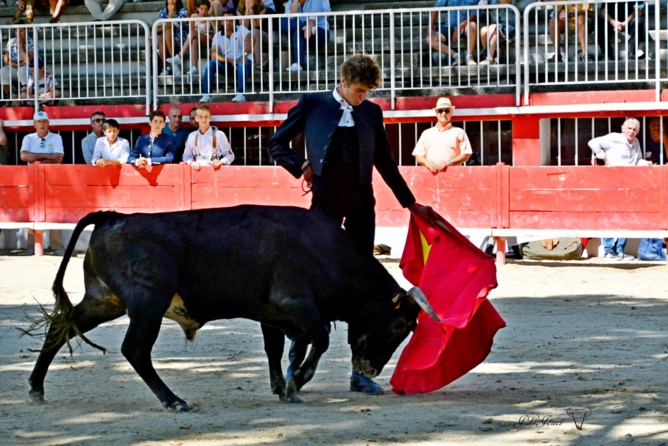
[(290, 393), (360, 383), (36, 396), (293, 399), (177, 406)]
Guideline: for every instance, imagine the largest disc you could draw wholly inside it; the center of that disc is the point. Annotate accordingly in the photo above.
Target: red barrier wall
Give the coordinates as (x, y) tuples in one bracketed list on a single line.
[(587, 197)]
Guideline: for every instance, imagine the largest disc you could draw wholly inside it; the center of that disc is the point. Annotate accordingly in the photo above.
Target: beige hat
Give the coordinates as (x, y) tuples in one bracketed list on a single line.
[(443, 103)]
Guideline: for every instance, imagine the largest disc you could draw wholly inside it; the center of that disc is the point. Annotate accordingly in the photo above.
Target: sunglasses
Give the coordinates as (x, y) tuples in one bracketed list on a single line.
[(41, 144), (98, 120), (447, 111)]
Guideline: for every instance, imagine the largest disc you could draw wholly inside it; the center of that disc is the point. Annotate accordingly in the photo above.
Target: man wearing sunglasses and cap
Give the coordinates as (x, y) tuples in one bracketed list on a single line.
[(42, 146), (443, 145)]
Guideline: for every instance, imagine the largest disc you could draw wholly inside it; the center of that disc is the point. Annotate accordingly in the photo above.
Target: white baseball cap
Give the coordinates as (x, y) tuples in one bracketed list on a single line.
[(40, 116)]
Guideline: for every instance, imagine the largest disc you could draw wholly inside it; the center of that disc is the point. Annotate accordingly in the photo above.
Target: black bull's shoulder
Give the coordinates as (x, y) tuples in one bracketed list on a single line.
[(290, 269)]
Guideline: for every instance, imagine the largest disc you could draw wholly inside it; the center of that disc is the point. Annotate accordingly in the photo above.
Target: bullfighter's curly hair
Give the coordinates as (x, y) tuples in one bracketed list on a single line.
[(362, 69)]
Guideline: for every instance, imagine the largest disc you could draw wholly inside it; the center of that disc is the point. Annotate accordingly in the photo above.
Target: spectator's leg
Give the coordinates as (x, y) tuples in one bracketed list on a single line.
[(605, 36), (298, 47), (258, 37), (112, 8), (636, 31), (217, 9), (317, 40), (243, 71), (209, 75), (608, 245), (95, 8), (582, 37), (6, 81), (621, 244), (57, 7), (471, 37), (24, 75)]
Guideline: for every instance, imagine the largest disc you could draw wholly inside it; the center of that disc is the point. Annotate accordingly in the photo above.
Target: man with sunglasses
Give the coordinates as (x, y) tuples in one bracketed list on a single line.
[(88, 143), (443, 145), (42, 146)]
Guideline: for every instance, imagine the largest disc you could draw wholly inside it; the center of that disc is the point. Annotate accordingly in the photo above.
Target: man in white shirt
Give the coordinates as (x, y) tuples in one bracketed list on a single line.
[(619, 149), (207, 146), (231, 56), (47, 148), (42, 146)]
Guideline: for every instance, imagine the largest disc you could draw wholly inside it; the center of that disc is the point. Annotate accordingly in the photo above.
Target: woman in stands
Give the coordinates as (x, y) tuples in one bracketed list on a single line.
[(18, 54), (173, 34), (199, 37)]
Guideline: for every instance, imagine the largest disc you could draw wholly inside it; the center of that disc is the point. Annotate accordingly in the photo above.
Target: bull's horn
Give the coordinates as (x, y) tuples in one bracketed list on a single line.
[(416, 295)]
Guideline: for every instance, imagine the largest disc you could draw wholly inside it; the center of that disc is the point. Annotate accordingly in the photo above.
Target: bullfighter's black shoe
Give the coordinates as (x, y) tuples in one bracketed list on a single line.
[(360, 383)]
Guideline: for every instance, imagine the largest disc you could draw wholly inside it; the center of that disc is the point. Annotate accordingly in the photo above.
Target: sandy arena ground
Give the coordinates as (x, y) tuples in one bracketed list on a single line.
[(580, 335)]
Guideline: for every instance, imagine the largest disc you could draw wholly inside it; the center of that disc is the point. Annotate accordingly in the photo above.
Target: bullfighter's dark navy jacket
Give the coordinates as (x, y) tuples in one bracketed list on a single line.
[(317, 115)]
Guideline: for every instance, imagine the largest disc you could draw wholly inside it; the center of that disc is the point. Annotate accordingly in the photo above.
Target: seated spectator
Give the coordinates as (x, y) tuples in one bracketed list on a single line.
[(23, 6), (442, 145), (460, 23), (46, 84), (3, 144), (171, 36), (199, 36), (112, 149), (207, 146), (503, 28), (43, 146), (218, 7), (307, 33), (100, 13), (656, 143), (88, 143), (578, 20), (258, 33), (156, 147), (17, 57), (177, 131), (616, 22), (619, 149), (230, 56)]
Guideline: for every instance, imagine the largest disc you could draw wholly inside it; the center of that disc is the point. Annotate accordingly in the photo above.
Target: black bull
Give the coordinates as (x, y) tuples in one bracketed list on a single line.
[(290, 269)]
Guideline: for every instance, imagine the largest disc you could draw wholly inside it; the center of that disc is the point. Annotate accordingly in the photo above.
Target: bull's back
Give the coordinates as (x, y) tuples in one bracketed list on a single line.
[(227, 262)]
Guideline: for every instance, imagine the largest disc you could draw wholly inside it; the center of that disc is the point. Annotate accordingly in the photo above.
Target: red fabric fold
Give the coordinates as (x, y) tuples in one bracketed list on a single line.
[(456, 278)]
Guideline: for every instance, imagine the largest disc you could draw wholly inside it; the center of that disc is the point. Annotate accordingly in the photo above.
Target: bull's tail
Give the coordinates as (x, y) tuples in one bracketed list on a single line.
[(60, 324)]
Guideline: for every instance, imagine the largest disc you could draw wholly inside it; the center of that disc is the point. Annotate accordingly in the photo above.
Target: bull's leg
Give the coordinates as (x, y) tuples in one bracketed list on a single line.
[(137, 345), (88, 314), (274, 341), (319, 345)]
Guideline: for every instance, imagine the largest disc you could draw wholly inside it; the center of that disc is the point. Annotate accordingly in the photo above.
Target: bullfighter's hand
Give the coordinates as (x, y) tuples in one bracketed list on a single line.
[(426, 213)]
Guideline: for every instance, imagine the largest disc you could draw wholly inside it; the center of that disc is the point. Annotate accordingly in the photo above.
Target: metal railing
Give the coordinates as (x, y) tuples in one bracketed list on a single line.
[(591, 51), (397, 38), (90, 61)]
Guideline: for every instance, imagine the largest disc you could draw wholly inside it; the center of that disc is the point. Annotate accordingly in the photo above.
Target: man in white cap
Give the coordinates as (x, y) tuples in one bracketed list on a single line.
[(443, 145), (42, 146), (47, 148)]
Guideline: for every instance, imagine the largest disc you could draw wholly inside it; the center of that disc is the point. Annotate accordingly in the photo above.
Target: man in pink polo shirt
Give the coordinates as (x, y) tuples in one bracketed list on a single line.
[(443, 145)]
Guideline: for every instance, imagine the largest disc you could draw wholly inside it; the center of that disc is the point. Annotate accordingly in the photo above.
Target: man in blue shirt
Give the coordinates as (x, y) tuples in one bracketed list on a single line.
[(460, 23), (177, 131), (154, 148)]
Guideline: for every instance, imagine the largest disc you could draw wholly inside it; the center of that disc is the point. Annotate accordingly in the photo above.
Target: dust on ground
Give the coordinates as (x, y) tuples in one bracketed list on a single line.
[(583, 337)]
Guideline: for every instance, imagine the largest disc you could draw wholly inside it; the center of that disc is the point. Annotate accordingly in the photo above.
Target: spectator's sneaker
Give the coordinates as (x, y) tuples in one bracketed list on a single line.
[(625, 256), (176, 60), (555, 57), (455, 60), (176, 70), (59, 252), (164, 72), (585, 56), (470, 62), (295, 68), (239, 98), (610, 257), (206, 98), (193, 71)]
